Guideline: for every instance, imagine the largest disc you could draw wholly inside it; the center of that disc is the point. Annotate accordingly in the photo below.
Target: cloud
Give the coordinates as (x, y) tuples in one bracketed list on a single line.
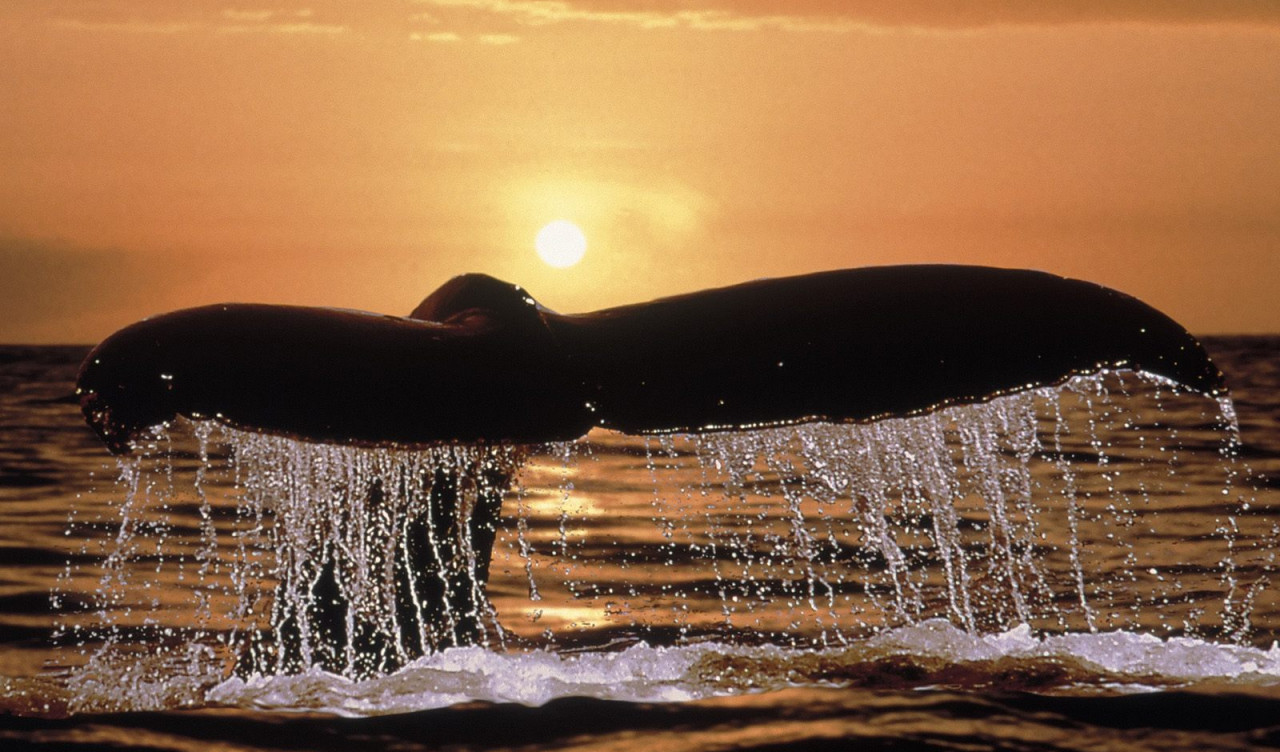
[(846, 15), (491, 17), (439, 37), (177, 18), (247, 15), (447, 37), (542, 12), (296, 27), (277, 22)]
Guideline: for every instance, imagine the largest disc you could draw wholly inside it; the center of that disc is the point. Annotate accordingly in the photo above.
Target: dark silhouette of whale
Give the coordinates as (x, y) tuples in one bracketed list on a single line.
[(479, 361)]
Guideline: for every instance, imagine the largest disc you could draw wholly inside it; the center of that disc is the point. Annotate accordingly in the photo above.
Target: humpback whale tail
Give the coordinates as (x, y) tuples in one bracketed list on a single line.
[(480, 361)]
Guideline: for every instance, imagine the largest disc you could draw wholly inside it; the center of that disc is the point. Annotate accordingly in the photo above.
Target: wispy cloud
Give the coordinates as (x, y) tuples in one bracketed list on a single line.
[(443, 37), (542, 12), (234, 14), (490, 21), (448, 37), (277, 22), (845, 15), (177, 18), (296, 27)]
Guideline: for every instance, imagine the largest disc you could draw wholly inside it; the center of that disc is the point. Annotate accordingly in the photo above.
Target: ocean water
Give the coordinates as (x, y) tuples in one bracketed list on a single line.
[(1074, 568)]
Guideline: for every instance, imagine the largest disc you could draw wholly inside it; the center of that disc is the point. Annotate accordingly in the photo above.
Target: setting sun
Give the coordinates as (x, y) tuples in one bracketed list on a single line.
[(561, 244)]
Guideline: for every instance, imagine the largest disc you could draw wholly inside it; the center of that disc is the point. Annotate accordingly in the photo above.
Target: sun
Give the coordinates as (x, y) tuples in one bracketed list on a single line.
[(561, 244)]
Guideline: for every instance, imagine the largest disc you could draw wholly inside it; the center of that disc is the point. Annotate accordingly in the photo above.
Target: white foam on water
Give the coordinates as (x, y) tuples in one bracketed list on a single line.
[(1131, 657), (641, 673)]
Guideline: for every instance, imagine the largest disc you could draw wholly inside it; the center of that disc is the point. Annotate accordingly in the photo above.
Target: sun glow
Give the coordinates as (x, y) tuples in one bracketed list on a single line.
[(561, 244)]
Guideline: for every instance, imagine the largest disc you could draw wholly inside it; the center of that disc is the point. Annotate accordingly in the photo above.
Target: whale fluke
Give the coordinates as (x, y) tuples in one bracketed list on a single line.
[(480, 361)]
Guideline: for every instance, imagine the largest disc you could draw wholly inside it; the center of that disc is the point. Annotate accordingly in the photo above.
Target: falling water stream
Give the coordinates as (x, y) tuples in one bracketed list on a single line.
[(673, 566)]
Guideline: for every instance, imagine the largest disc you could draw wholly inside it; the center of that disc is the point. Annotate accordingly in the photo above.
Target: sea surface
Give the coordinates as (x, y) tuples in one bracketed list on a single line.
[(1086, 567)]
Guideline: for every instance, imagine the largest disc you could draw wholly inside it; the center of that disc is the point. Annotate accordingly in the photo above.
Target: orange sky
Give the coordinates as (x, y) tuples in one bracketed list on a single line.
[(156, 155)]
